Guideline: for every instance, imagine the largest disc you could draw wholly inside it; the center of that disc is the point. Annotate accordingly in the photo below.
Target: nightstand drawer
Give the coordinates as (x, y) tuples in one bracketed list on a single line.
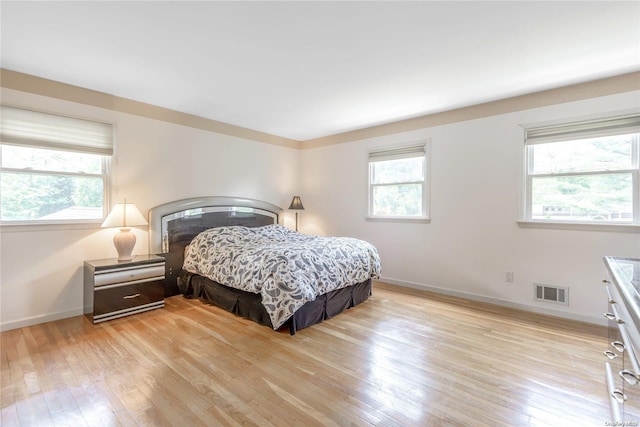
[(129, 274), (121, 300)]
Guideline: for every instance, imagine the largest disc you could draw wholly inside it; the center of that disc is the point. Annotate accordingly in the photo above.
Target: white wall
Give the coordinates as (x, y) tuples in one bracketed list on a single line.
[(471, 241), (473, 238), (155, 162)]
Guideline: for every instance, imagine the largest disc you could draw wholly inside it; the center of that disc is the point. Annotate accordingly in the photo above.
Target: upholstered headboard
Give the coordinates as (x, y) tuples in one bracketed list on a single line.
[(173, 225)]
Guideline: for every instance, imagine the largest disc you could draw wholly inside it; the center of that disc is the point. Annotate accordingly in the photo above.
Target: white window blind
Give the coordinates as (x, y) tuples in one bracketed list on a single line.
[(49, 131), (581, 130), (397, 153)]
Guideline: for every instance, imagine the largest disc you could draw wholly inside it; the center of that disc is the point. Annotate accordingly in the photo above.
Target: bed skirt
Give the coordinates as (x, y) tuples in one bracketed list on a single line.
[(249, 305)]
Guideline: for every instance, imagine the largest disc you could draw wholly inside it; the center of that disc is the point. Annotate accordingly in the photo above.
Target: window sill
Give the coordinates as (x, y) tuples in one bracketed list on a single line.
[(581, 226), (421, 219), (22, 227)]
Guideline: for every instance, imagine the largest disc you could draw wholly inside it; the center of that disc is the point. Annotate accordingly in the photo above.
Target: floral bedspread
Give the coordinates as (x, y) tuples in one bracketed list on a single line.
[(286, 267)]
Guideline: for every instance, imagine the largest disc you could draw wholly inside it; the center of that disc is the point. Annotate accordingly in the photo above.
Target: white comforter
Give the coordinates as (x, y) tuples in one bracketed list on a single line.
[(286, 267)]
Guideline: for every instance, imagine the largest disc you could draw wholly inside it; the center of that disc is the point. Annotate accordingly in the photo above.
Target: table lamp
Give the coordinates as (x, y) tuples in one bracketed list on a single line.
[(296, 205), (124, 216)]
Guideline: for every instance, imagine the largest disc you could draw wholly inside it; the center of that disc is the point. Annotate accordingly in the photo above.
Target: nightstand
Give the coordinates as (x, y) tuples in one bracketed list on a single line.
[(115, 288)]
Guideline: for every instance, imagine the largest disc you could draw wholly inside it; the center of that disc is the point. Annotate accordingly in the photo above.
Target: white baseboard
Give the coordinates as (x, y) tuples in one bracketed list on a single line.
[(35, 320), (496, 301), (29, 321)]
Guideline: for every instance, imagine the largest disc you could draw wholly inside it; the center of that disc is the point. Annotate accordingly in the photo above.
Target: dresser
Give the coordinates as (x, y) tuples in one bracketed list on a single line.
[(622, 366), (115, 288)]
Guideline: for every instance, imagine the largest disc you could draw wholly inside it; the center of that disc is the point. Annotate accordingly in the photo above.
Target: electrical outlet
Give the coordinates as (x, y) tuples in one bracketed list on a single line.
[(508, 276)]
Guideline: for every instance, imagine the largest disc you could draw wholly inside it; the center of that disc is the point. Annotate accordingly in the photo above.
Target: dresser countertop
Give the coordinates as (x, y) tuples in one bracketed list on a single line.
[(101, 264)]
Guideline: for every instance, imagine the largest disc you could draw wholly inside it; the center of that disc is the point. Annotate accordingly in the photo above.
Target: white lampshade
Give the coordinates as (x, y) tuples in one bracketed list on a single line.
[(124, 216)]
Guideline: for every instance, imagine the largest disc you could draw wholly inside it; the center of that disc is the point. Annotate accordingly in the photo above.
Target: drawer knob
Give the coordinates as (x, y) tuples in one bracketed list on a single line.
[(605, 281), (131, 296)]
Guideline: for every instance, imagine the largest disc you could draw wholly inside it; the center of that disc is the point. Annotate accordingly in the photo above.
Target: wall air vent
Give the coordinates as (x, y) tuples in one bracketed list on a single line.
[(549, 293)]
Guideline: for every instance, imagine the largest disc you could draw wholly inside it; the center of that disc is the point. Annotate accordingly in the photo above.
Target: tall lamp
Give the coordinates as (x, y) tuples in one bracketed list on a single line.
[(296, 205), (124, 216)]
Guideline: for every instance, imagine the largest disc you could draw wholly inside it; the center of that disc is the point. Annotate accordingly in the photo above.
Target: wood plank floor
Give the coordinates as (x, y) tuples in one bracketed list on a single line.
[(407, 358)]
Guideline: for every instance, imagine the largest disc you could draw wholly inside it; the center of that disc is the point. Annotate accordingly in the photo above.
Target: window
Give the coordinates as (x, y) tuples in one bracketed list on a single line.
[(53, 168), (398, 182), (585, 172)]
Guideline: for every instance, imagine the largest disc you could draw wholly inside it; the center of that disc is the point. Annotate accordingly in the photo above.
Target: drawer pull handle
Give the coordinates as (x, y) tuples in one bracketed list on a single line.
[(618, 346), (131, 296), (610, 354), (618, 396), (629, 376), (611, 316)]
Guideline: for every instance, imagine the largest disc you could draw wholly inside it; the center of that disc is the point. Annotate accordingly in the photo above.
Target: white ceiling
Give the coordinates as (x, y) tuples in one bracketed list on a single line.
[(303, 70)]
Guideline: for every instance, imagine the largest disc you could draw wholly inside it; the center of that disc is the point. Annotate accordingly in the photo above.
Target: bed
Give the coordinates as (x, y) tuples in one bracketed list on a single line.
[(199, 227)]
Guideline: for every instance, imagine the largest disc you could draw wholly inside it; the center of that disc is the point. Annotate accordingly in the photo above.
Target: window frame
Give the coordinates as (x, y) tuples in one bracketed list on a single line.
[(102, 148), (389, 153), (572, 131)]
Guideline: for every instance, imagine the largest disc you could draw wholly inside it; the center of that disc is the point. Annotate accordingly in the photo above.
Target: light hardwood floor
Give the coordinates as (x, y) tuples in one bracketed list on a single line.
[(407, 358)]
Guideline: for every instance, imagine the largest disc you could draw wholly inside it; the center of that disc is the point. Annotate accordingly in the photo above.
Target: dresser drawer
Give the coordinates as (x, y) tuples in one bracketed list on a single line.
[(121, 300), (131, 274)]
